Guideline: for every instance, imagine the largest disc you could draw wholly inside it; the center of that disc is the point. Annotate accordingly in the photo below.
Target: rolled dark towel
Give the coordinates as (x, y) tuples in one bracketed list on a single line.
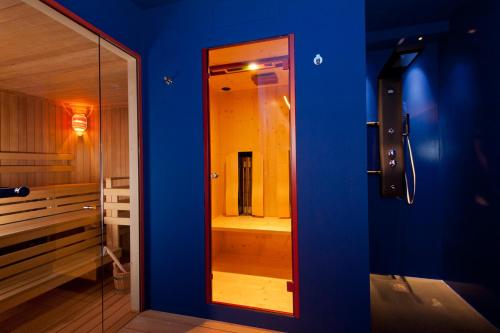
[(8, 192)]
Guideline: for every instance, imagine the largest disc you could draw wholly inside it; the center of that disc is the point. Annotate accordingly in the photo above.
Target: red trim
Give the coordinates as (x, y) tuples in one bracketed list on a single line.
[(208, 188), (77, 19), (293, 167), (293, 175)]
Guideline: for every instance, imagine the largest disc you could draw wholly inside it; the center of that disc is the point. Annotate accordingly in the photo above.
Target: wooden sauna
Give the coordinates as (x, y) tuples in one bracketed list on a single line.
[(68, 132), (250, 175)]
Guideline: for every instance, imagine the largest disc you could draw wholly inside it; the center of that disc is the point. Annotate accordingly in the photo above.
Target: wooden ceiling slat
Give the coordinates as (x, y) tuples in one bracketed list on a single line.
[(42, 57)]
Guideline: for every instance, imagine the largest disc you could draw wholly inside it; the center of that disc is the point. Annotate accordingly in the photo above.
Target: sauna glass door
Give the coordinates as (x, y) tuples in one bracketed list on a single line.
[(250, 117), (50, 239), (120, 181)]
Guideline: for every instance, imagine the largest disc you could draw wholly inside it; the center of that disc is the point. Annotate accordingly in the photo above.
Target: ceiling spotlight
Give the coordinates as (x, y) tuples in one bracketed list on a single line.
[(472, 31), (421, 38), (253, 66)]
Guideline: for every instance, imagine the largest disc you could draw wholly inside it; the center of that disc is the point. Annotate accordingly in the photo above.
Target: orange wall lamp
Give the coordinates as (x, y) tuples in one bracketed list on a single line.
[(79, 116), (79, 123)]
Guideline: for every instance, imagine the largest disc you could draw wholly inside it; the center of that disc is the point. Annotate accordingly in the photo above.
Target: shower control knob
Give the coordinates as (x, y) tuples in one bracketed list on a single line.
[(393, 163), (392, 154)]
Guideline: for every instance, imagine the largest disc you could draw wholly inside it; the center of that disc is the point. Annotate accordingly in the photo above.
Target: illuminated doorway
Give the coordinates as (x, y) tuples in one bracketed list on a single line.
[(250, 132)]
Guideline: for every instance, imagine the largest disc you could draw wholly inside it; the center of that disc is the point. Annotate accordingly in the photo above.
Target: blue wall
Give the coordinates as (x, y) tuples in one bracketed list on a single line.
[(408, 240), (453, 229), (331, 150), (331, 146), (121, 19), (470, 104)]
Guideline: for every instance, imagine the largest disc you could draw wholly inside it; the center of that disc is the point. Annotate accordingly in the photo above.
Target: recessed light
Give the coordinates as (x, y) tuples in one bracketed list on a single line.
[(421, 38), (253, 66), (472, 31)]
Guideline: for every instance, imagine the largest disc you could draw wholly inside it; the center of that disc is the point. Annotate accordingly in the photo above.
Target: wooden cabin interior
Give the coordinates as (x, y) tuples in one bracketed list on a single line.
[(67, 98), (250, 175)]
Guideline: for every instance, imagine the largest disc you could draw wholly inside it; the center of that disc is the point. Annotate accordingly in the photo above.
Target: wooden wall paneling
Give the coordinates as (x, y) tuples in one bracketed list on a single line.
[(216, 164), (4, 131), (115, 142), (124, 142), (14, 132), (255, 120), (283, 183), (231, 173), (38, 110), (22, 114), (251, 253), (58, 139), (257, 184), (31, 124), (30, 135), (45, 125)]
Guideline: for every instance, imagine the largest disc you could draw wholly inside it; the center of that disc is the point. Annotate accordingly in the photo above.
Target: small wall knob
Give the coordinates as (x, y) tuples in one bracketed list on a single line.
[(392, 154)]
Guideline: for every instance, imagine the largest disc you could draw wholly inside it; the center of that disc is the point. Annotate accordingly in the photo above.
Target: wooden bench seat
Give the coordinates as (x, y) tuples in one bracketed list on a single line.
[(48, 239), (36, 281), (30, 229)]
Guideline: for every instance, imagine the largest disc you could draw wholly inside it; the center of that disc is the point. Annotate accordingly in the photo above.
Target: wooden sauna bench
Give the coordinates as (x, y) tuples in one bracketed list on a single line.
[(47, 239), (246, 223)]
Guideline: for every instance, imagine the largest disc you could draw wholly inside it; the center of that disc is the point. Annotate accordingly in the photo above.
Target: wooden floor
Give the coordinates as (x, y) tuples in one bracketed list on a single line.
[(161, 322), (250, 290), (415, 305), (74, 307)]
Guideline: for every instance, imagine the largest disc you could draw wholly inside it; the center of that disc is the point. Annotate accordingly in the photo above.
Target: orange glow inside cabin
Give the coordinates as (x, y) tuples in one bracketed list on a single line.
[(250, 167)]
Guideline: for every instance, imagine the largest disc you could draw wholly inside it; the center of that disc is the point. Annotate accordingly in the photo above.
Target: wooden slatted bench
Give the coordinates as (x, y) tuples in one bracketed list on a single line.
[(47, 239)]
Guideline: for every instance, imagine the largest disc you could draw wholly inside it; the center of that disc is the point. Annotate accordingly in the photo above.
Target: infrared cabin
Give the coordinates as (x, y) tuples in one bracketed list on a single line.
[(68, 172), (250, 192)]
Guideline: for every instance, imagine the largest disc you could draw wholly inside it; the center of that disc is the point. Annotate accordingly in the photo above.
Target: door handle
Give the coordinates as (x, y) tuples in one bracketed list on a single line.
[(214, 175), (89, 207)]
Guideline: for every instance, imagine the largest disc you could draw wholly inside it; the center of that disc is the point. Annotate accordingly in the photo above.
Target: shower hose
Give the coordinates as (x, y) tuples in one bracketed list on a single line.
[(410, 197)]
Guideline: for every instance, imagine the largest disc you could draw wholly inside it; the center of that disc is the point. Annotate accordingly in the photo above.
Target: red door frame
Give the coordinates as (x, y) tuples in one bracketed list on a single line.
[(77, 19), (293, 175)]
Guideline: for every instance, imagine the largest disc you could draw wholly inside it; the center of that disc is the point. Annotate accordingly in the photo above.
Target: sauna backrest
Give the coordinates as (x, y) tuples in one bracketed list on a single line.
[(117, 201), (16, 166), (49, 200)]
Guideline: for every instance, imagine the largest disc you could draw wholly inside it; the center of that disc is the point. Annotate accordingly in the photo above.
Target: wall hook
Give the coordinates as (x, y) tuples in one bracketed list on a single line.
[(168, 80)]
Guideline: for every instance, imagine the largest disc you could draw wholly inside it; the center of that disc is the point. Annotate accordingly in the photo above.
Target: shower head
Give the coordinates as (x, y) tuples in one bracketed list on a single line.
[(401, 58)]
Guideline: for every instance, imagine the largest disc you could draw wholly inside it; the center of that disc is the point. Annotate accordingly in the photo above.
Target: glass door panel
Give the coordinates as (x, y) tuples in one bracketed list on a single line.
[(250, 145), (120, 169), (50, 238)]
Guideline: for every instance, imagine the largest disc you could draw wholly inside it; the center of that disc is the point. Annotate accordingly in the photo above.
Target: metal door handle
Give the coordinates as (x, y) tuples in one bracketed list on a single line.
[(90, 207), (214, 175)]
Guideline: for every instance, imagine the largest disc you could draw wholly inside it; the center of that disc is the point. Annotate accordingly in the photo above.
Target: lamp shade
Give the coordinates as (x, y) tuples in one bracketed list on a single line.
[(79, 123)]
